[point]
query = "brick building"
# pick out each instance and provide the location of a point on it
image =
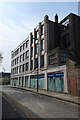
(73, 70)
(47, 48)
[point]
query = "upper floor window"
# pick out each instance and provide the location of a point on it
(12, 55)
(36, 63)
(23, 67)
(36, 34)
(36, 48)
(66, 23)
(20, 58)
(20, 48)
(20, 68)
(27, 66)
(66, 41)
(42, 45)
(31, 51)
(27, 43)
(31, 67)
(42, 29)
(42, 61)
(23, 56)
(27, 54)
(53, 59)
(17, 60)
(24, 45)
(17, 51)
(31, 39)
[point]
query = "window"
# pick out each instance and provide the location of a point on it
(23, 67)
(53, 59)
(31, 65)
(66, 23)
(63, 60)
(11, 71)
(42, 45)
(36, 35)
(36, 63)
(26, 66)
(20, 48)
(27, 54)
(27, 43)
(17, 51)
(36, 48)
(17, 60)
(42, 61)
(66, 41)
(17, 70)
(31, 51)
(31, 39)
(42, 29)
(24, 45)
(23, 56)
(20, 68)
(20, 58)
(13, 62)
(12, 55)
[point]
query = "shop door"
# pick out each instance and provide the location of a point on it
(51, 84)
(41, 83)
(19, 81)
(33, 83)
(22, 81)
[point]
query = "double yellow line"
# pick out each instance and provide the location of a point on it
(28, 114)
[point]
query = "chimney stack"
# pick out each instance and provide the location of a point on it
(56, 18)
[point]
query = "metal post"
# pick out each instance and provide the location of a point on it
(37, 66)
(37, 75)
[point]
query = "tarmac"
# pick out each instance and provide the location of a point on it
(57, 95)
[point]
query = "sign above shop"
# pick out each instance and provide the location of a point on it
(56, 75)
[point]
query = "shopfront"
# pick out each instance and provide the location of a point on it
(26, 81)
(56, 82)
(15, 81)
(22, 81)
(41, 81)
(19, 81)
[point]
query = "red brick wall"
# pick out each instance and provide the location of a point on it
(72, 85)
(73, 78)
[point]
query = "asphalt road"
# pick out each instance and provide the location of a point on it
(39, 106)
(9, 110)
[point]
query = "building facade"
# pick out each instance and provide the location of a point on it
(46, 48)
(4, 78)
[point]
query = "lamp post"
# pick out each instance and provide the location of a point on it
(37, 66)
(37, 74)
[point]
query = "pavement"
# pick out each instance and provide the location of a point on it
(61, 96)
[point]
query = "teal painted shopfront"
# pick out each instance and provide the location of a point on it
(56, 82)
(26, 81)
(15, 81)
(22, 81)
(19, 81)
(41, 81)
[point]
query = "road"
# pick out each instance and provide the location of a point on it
(39, 106)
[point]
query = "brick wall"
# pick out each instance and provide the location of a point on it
(73, 78)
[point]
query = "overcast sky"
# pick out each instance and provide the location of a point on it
(18, 19)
